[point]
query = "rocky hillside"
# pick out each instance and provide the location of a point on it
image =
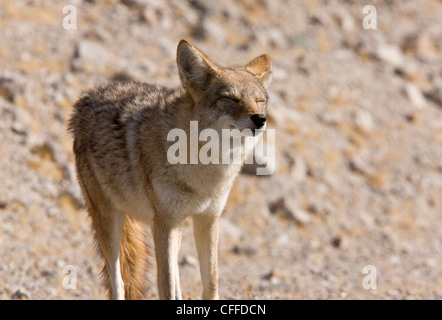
(357, 115)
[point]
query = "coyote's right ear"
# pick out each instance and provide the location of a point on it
(194, 67)
(261, 68)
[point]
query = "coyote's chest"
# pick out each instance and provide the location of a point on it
(195, 189)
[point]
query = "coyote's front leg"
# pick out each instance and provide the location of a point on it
(167, 240)
(205, 229)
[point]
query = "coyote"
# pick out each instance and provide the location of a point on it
(120, 145)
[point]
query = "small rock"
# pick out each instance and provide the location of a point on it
(189, 260)
(47, 273)
(159, 15)
(415, 95)
(299, 170)
(20, 129)
(130, 3)
(296, 213)
(346, 21)
(361, 165)
(394, 293)
(52, 292)
(421, 45)
(122, 76)
(321, 207)
(276, 206)
(301, 216)
(363, 121)
(21, 294)
(412, 117)
(8, 89)
(288, 208)
(436, 93)
(244, 250)
(45, 151)
(90, 56)
(273, 276)
(336, 241)
(390, 54)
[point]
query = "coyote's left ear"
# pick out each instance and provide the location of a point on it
(195, 69)
(261, 68)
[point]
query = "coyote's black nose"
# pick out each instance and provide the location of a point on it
(258, 120)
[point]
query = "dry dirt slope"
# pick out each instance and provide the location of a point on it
(358, 120)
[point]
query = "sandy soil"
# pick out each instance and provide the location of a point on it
(354, 208)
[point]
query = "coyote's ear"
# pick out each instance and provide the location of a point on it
(194, 67)
(261, 68)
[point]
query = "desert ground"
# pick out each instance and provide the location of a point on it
(354, 207)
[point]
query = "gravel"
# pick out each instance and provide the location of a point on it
(358, 149)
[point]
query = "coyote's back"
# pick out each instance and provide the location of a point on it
(119, 133)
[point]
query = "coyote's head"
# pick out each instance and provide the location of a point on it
(225, 98)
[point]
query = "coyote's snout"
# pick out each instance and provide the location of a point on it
(121, 147)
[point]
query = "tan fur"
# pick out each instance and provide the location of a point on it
(127, 181)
